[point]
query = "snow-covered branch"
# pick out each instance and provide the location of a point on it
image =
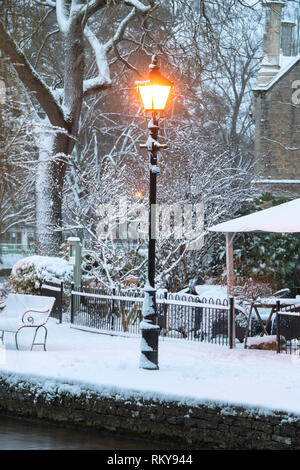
(62, 15)
(32, 81)
(103, 80)
(285, 147)
(138, 5)
(100, 50)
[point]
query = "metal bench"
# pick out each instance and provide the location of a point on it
(25, 311)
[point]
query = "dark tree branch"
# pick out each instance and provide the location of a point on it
(31, 79)
(43, 45)
(124, 61)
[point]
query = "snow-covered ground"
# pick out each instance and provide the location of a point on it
(190, 372)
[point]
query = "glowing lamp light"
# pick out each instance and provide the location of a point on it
(154, 97)
(137, 194)
(155, 91)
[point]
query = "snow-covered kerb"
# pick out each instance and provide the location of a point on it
(200, 425)
(82, 372)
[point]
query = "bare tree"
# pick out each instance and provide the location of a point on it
(62, 105)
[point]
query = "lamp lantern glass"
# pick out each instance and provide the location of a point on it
(155, 91)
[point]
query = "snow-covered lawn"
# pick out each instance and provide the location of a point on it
(190, 372)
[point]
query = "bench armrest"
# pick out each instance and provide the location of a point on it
(29, 320)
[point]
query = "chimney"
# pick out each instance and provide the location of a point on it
(287, 38)
(271, 43)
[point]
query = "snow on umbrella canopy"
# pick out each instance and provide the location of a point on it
(155, 91)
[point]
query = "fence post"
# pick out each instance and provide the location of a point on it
(61, 301)
(278, 326)
(165, 310)
(113, 309)
(231, 323)
(72, 302)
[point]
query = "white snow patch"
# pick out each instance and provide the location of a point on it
(190, 372)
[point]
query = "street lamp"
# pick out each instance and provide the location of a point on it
(154, 94)
(138, 194)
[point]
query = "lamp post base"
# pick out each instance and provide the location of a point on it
(149, 360)
(150, 332)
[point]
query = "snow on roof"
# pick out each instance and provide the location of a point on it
(286, 63)
(284, 218)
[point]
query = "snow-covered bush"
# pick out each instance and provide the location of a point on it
(28, 274)
(109, 264)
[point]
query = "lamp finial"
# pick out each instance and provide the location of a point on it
(154, 63)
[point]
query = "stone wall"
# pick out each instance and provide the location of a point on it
(189, 426)
(277, 126)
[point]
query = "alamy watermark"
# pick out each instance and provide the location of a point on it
(2, 92)
(296, 93)
(125, 221)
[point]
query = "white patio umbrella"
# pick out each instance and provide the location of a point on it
(284, 218)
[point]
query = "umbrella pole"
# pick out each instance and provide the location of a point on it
(229, 262)
(229, 267)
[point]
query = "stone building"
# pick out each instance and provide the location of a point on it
(276, 109)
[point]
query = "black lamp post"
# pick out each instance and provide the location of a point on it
(154, 93)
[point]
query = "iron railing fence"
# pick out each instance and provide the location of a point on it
(106, 309)
(16, 248)
(179, 316)
(54, 289)
(287, 324)
(193, 318)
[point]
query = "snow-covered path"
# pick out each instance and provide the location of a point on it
(190, 372)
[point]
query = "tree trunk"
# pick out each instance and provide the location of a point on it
(48, 189)
(73, 79)
(53, 146)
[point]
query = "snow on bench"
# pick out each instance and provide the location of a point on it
(25, 311)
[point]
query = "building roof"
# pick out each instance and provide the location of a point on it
(286, 64)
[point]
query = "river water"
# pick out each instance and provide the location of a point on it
(19, 434)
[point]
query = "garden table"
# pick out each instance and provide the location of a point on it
(269, 303)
